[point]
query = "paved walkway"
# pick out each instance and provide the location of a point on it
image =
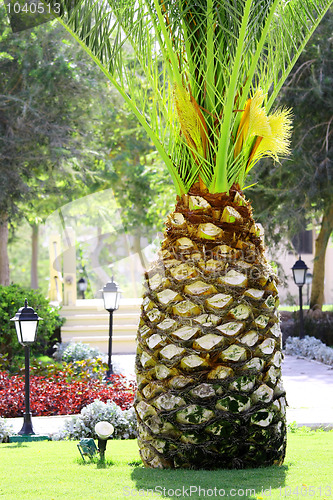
(309, 387)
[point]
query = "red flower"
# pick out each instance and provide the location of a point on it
(56, 396)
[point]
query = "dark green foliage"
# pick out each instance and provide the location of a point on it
(4, 362)
(289, 195)
(39, 116)
(11, 300)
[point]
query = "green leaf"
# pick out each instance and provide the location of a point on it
(221, 52)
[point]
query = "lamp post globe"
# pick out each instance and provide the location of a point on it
(111, 296)
(82, 285)
(26, 324)
(299, 270)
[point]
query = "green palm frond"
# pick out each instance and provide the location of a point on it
(215, 53)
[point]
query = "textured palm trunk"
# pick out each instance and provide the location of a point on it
(209, 344)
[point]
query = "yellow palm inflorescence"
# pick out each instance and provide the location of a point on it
(272, 132)
(192, 122)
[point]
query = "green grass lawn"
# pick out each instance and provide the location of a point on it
(284, 307)
(54, 470)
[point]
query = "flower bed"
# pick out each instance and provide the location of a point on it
(56, 396)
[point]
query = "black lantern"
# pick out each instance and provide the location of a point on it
(111, 296)
(299, 274)
(83, 285)
(26, 324)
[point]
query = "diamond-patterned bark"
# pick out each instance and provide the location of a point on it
(208, 357)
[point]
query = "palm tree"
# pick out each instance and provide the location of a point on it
(202, 77)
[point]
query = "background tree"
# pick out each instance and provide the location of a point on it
(72, 141)
(298, 193)
(139, 181)
(44, 125)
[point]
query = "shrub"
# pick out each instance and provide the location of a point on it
(316, 324)
(4, 363)
(309, 347)
(82, 426)
(85, 370)
(5, 430)
(56, 396)
(11, 300)
(78, 351)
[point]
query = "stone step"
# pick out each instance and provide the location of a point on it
(88, 322)
(95, 306)
(121, 344)
(102, 319)
(90, 329)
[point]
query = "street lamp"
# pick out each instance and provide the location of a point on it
(26, 324)
(299, 274)
(111, 296)
(83, 285)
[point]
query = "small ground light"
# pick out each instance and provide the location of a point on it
(87, 446)
(103, 430)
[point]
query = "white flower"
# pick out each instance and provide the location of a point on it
(310, 347)
(5, 430)
(83, 425)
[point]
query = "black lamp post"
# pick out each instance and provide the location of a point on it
(26, 324)
(299, 274)
(83, 285)
(111, 296)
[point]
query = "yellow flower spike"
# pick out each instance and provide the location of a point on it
(258, 122)
(254, 121)
(277, 142)
(192, 122)
(281, 126)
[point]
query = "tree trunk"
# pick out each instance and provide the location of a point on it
(137, 249)
(317, 291)
(208, 362)
(94, 257)
(34, 256)
(4, 261)
(132, 270)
